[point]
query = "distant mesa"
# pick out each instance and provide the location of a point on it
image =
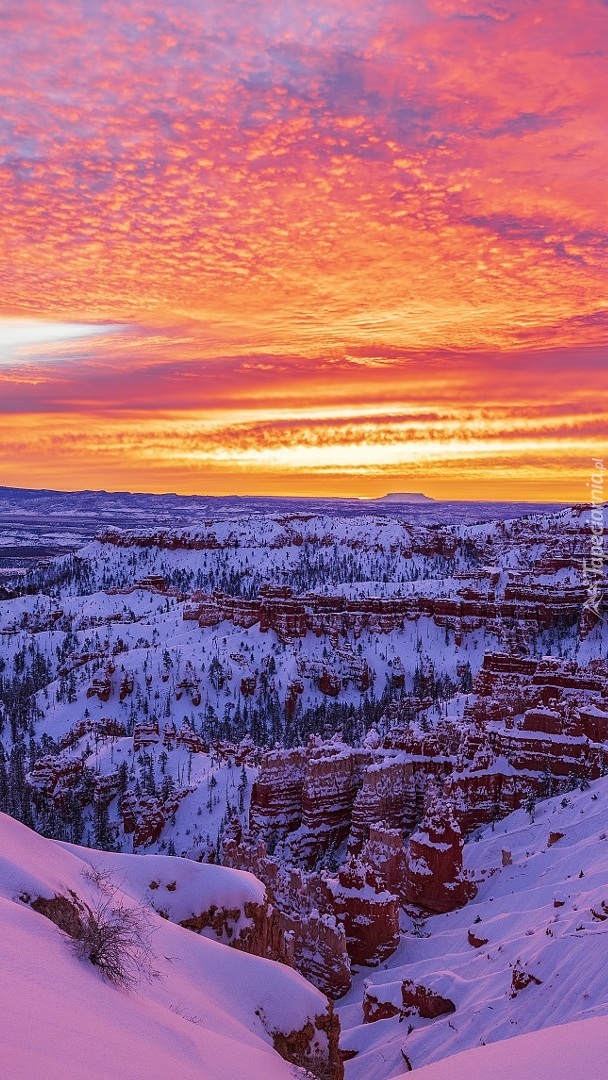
(404, 497)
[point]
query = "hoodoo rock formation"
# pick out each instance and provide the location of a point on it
(315, 940)
(473, 606)
(434, 877)
(370, 914)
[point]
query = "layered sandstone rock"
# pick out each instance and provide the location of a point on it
(57, 776)
(406, 998)
(435, 878)
(332, 778)
(310, 790)
(532, 725)
(104, 728)
(474, 605)
(375, 1008)
(303, 1047)
(254, 928)
(145, 733)
(303, 912)
(101, 687)
(390, 794)
(145, 816)
(384, 852)
(276, 797)
(370, 914)
(425, 1002)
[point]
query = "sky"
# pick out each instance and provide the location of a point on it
(316, 247)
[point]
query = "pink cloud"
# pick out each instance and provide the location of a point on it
(263, 191)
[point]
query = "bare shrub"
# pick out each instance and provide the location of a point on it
(111, 933)
(115, 936)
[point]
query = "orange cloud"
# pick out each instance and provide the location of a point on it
(346, 203)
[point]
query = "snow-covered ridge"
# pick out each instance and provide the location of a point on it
(207, 1012)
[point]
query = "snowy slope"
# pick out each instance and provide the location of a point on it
(577, 1051)
(208, 1014)
(543, 915)
(186, 887)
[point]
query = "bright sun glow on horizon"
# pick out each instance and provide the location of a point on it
(17, 334)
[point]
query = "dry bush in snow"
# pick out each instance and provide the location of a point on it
(115, 935)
